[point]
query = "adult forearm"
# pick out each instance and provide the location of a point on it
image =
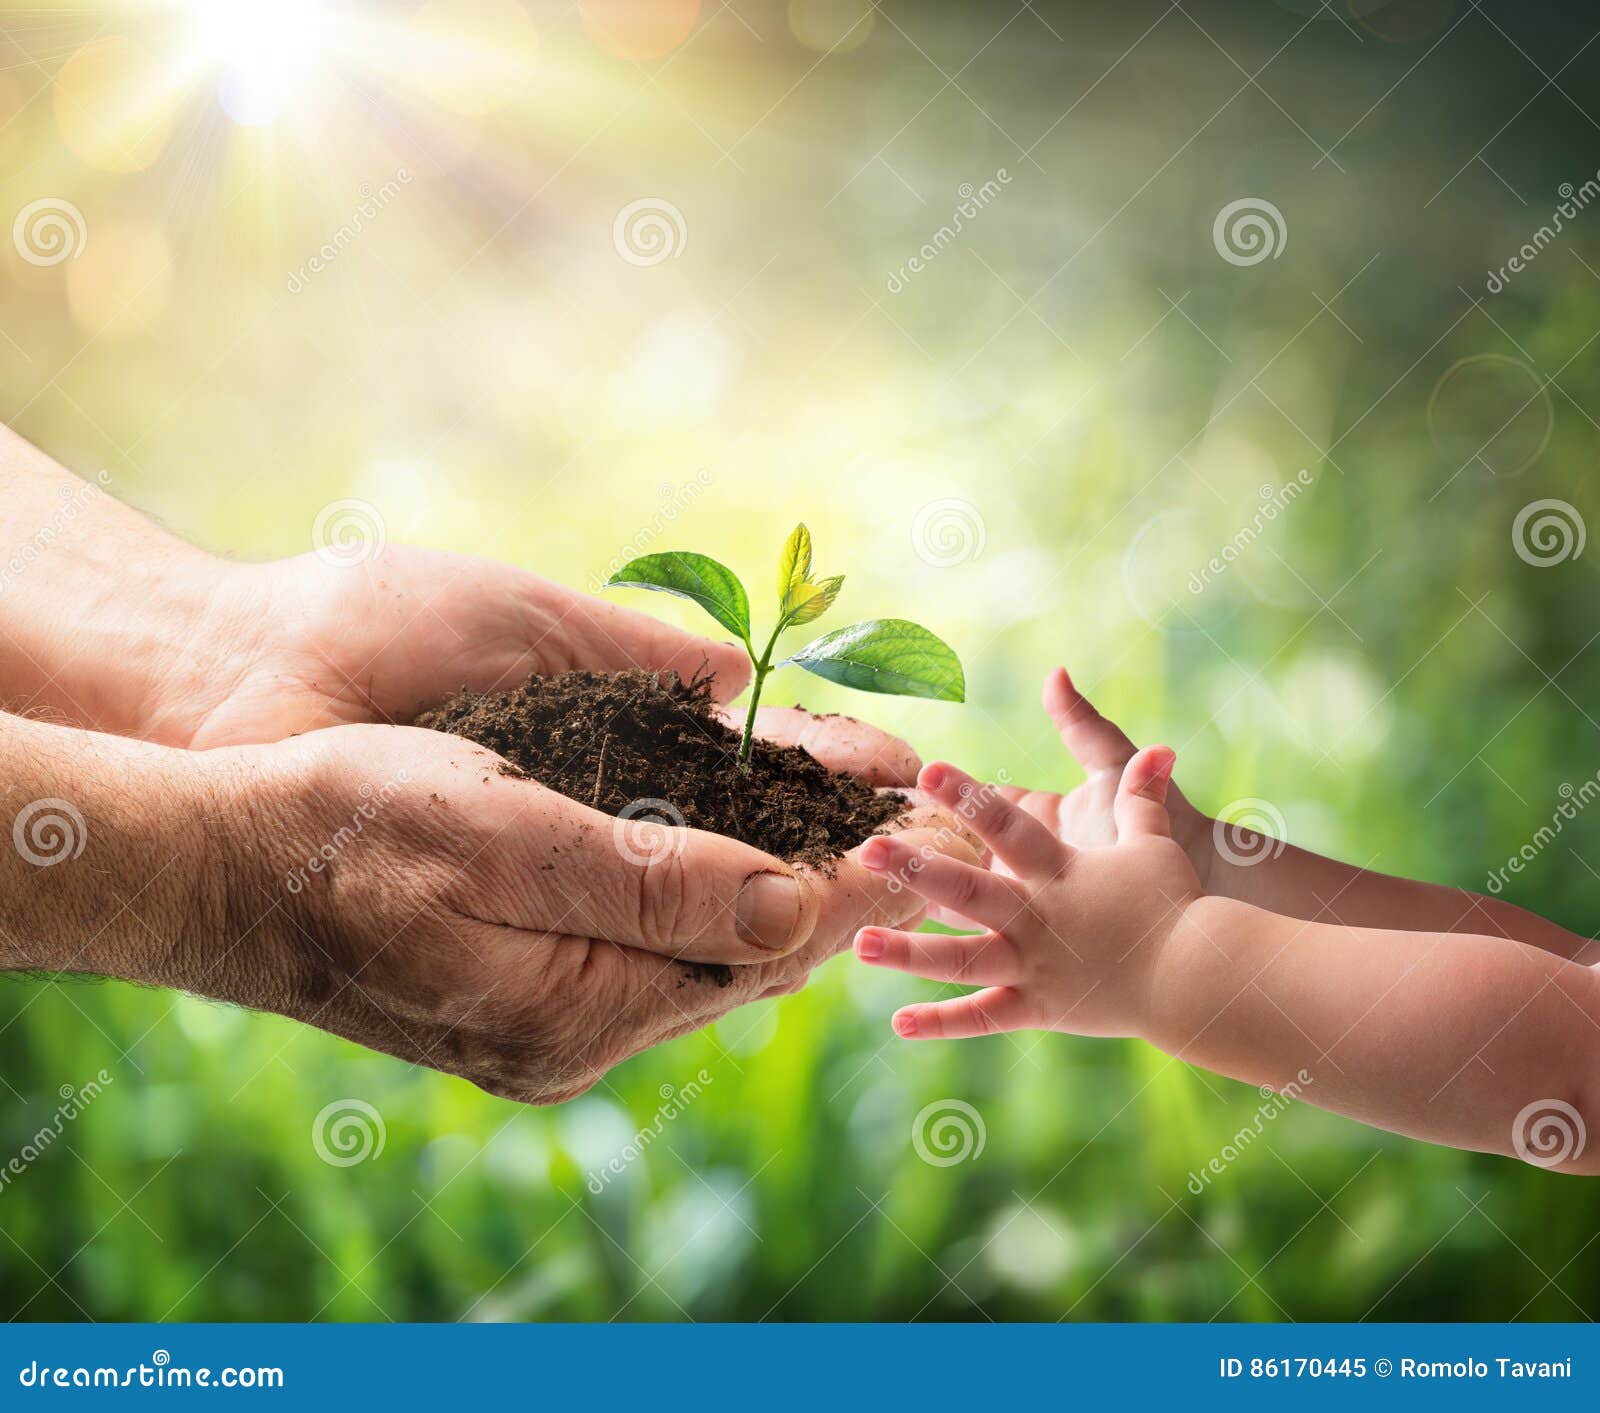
(1447, 1037)
(1280, 878)
(101, 610)
(104, 868)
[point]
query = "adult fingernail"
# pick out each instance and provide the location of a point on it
(767, 913)
(905, 1024)
(869, 946)
(933, 776)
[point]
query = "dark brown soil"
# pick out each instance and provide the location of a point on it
(626, 739)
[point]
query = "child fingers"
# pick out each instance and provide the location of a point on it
(988, 1012)
(1094, 742)
(850, 896)
(968, 890)
(1140, 807)
(1017, 839)
(984, 959)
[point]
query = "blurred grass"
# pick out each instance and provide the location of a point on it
(483, 367)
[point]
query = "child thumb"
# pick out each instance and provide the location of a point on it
(1140, 807)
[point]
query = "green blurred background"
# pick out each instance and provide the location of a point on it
(1030, 445)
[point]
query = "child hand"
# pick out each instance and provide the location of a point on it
(1074, 933)
(1083, 817)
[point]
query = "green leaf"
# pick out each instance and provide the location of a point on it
(713, 586)
(813, 601)
(887, 655)
(794, 566)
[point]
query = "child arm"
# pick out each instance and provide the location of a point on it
(1454, 1038)
(1238, 863)
(1468, 1040)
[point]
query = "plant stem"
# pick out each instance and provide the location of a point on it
(599, 771)
(763, 666)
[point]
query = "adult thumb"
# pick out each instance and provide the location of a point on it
(648, 882)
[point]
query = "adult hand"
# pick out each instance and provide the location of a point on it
(110, 622)
(307, 644)
(392, 885)
(412, 897)
(301, 643)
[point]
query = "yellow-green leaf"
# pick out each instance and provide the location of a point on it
(814, 600)
(794, 566)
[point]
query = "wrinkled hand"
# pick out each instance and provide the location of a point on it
(301, 644)
(398, 889)
(313, 644)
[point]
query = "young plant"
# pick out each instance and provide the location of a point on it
(881, 655)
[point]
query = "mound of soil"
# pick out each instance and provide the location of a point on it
(627, 743)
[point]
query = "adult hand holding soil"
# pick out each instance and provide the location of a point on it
(490, 896)
(110, 622)
(394, 886)
(318, 644)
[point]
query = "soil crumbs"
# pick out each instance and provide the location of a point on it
(627, 743)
